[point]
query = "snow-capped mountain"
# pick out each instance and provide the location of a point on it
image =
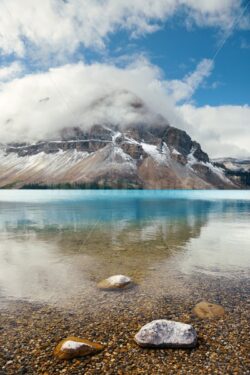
(238, 170)
(140, 155)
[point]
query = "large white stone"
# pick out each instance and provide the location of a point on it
(119, 280)
(115, 282)
(166, 334)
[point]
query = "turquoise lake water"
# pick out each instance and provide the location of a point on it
(54, 241)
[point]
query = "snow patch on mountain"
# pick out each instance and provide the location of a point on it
(55, 163)
(161, 156)
(191, 160)
(218, 171)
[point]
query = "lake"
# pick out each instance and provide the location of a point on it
(54, 241)
(179, 247)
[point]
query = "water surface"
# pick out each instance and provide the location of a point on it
(56, 245)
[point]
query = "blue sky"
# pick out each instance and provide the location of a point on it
(170, 45)
(177, 51)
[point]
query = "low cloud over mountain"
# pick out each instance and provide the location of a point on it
(38, 106)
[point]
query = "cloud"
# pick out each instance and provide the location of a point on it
(56, 27)
(39, 106)
(222, 130)
(78, 95)
(10, 72)
(184, 89)
(214, 13)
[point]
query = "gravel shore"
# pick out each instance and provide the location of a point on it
(29, 332)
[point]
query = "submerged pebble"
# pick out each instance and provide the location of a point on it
(208, 310)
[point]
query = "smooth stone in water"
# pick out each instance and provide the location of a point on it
(115, 282)
(166, 334)
(207, 310)
(73, 347)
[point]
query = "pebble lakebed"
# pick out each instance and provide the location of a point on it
(29, 332)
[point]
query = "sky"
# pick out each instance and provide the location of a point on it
(78, 62)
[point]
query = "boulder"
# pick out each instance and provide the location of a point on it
(114, 282)
(166, 334)
(208, 310)
(73, 347)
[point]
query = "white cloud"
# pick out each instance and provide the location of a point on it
(77, 94)
(222, 130)
(184, 89)
(38, 106)
(40, 28)
(223, 13)
(10, 71)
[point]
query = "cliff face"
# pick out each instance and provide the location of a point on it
(136, 156)
(238, 170)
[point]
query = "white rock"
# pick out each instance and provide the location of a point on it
(71, 345)
(166, 334)
(115, 282)
(119, 280)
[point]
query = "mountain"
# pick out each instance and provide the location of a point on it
(148, 154)
(238, 170)
(139, 156)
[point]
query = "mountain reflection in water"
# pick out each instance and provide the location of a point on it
(52, 249)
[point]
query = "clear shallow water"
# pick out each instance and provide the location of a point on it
(55, 245)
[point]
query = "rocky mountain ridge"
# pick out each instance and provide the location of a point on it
(141, 155)
(238, 170)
